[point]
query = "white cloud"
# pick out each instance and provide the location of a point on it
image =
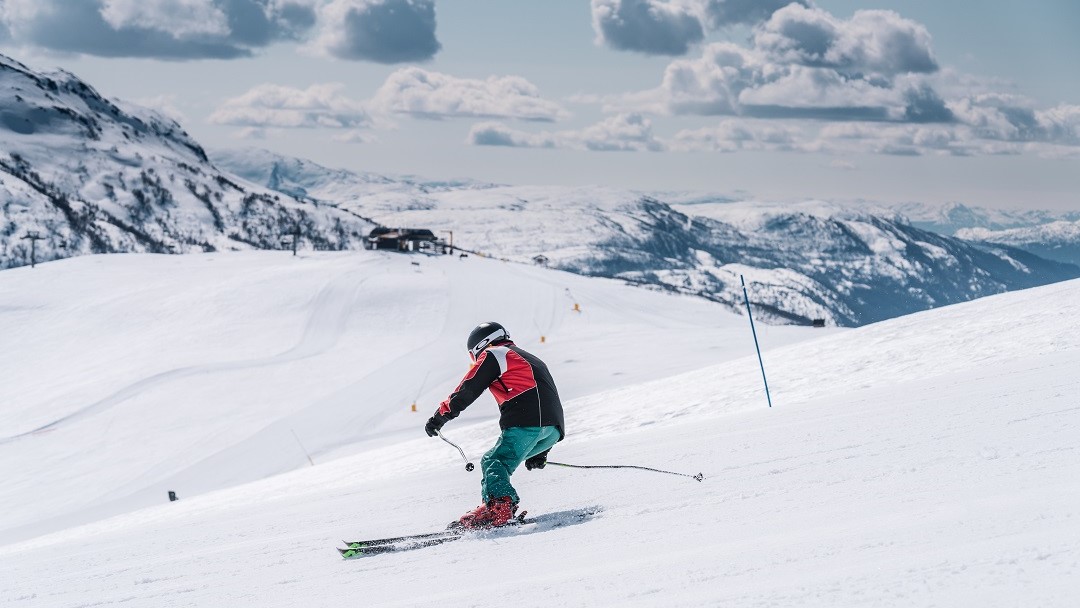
(624, 132)
(805, 87)
(252, 133)
(735, 135)
(909, 140)
(871, 42)
(179, 18)
(169, 29)
(671, 27)
(1061, 124)
(659, 27)
(383, 31)
(721, 13)
(355, 137)
(804, 63)
(498, 134)
(318, 106)
(165, 105)
(427, 94)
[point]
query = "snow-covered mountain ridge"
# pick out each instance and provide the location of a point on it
(1056, 240)
(953, 217)
(93, 175)
(808, 261)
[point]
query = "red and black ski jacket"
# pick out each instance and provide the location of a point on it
(520, 383)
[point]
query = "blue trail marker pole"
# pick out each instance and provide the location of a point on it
(754, 331)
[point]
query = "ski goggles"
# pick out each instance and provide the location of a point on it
(495, 336)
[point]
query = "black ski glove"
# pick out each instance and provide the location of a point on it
(537, 462)
(433, 425)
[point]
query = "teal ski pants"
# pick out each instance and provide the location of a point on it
(515, 446)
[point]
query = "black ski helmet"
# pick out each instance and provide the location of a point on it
(484, 336)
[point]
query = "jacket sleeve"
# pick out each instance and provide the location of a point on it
(485, 371)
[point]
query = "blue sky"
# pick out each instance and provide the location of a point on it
(902, 101)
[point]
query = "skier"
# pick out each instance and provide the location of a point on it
(531, 418)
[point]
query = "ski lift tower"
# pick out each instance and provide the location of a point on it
(33, 237)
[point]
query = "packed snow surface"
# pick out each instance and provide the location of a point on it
(926, 460)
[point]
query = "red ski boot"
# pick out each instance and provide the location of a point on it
(496, 513)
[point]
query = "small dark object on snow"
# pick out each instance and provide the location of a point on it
(469, 466)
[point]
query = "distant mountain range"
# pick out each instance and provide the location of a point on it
(954, 217)
(92, 175)
(815, 260)
(1056, 240)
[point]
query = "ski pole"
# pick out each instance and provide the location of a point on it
(698, 477)
(468, 465)
(754, 331)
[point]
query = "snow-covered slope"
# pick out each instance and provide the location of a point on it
(926, 460)
(92, 175)
(194, 373)
(815, 260)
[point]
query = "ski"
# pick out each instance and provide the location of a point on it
(356, 549)
(452, 532)
(400, 539)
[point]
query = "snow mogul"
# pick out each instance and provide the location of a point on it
(531, 418)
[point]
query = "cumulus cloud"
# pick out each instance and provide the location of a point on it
(734, 136)
(163, 104)
(319, 106)
(383, 31)
(427, 94)
(805, 63)
(1006, 129)
(624, 132)
(648, 26)
(721, 13)
(731, 80)
(251, 133)
(671, 27)
(1053, 133)
(1010, 118)
(166, 29)
(897, 140)
(180, 18)
(871, 42)
(355, 137)
(498, 134)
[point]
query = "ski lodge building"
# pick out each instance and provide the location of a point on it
(403, 239)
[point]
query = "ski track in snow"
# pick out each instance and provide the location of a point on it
(330, 311)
